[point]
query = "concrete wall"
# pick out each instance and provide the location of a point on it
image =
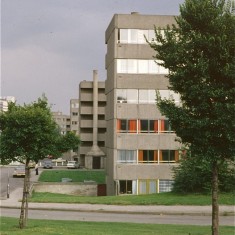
(142, 171)
(79, 189)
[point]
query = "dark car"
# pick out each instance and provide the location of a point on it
(47, 163)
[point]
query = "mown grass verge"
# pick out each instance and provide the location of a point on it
(152, 199)
(76, 175)
(39, 227)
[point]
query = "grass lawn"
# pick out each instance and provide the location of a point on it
(38, 227)
(99, 177)
(75, 175)
(152, 199)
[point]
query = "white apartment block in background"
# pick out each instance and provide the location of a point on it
(4, 101)
(63, 121)
(140, 145)
(74, 110)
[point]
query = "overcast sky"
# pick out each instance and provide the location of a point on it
(49, 46)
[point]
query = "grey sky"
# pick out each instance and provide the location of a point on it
(49, 46)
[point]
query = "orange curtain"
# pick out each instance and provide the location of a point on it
(155, 155)
(155, 125)
(162, 125)
(132, 126)
(160, 156)
(139, 126)
(118, 125)
(140, 156)
(176, 155)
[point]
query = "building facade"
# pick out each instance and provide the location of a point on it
(63, 121)
(4, 101)
(140, 145)
(86, 124)
(74, 110)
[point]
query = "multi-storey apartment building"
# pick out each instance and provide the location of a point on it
(140, 145)
(74, 110)
(92, 135)
(4, 101)
(63, 121)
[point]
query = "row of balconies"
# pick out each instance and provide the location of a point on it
(89, 123)
(88, 136)
(89, 110)
(89, 97)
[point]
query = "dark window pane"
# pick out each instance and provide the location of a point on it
(167, 125)
(144, 125)
(151, 125)
(168, 155)
(123, 125)
(145, 155)
(151, 156)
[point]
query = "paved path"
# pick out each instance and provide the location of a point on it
(16, 195)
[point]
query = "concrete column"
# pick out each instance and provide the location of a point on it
(95, 107)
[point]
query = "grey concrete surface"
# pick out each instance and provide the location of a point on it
(16, 195)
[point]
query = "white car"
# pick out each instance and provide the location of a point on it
(72, 165)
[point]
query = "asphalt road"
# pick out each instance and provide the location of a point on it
(118, 217)
(6, 177)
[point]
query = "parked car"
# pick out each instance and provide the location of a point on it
(19, 171)
(72, 165)
(32, 164)
(47, 163)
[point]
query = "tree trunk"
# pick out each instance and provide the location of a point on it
(215, 204)
(24, 205)
(22, 209)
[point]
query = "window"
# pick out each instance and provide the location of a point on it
(126, 156)
(126, 126)
(169, 156)
(133, 35)
(144, 96)
(123, 35)
(143, 66)
(147, 186)
(147, 96)
(122, 66)
(147, 156)
(121, 96)
(165, 126)
(168, 94)
(74, 105)
(165, 185)
(132, 66)
(125, 186)
(74, 114)
(144, 126)
(140, 35)
(136, 36)
(135, 66)
(151, 35)
(132, 96)
(127, 96)
(153, 67)
(148, 126)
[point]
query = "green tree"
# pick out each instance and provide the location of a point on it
(70, 141)
(193, 175)
(29, 132)
(199, 52)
